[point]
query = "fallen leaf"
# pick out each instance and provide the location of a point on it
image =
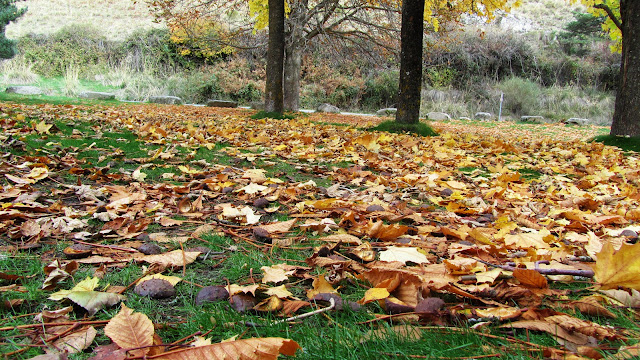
(130, 329)
(620, 268)
(403, 255)
(246, 349)
(276, 273)
(174, 258)
(77, 341)
(374, 294)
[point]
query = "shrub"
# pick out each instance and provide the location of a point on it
(380, 90)
(521, 96)
(80, 46)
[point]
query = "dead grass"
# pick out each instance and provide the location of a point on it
(116, 19)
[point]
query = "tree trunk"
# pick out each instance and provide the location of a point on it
(275, 58)
(292, 68)
(410, 62)
(294, 46)
(626, 117)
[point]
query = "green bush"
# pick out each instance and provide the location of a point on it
(72, 46)
(150, 51)
(521, 96)
(381, 90)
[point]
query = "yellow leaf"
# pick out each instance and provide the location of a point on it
(174, 280)
(280, 291)
(618, 268)
(320, 286)
(43, 128)
(374, 294)
(129, 329)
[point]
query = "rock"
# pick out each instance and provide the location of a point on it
(465, 118)
(171, 100)
(222, 103)
(534, 119)
(150, 249)
(328, 108)
(96, 95)
(438, 116)
(77, 251)
(387, 112)
(243, 302)
(262, 235)
(483, 116)
(24, 90)
(155, 289)
(261, 203)
(372, 208)
(578, 121)
(396, 308)
(211, 294)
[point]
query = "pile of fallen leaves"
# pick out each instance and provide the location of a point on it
(403, 218)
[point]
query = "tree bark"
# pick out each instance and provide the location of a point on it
(292, 68)
(274, 99)
(626, 116)
(410, 62)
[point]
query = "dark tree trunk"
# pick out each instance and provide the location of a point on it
(410, 62)
(275, 58)
(626, 117)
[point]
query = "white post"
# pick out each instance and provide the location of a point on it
(500, 112)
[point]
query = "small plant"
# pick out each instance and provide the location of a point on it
(272, 115)
(421, 129)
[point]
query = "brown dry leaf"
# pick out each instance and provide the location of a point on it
(620, 268)
(590, 305)
(553, 329)
(246, 349)
(502, 313)
(57, 272)
(530, 278)
(588, 328)
(626, 298)
(344, 238)
(129, 329)
(628, 352)
(292, 306)
(77, 341)
(173, 258)
(279, 227)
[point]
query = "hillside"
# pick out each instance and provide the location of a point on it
(119, 18)
(115, 18)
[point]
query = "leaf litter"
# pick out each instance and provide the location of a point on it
(464, 231)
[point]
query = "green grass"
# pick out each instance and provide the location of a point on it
(53, 99)
(272, 115)
(420, 129)
(624, 143)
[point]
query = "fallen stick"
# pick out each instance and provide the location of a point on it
(571, 272)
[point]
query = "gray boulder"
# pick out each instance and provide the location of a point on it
(534, 119)
(483, 116)
(578, 121)
(24, 90)
(222, 103)
(256, 105)
(387, 112)
(328, 108)
(171, 100)
(438, 116)
(96, 95)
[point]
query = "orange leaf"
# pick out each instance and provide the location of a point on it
(246, 349)
(530, 278)
(131, 330)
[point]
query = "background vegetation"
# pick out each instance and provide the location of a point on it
(558, 69)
